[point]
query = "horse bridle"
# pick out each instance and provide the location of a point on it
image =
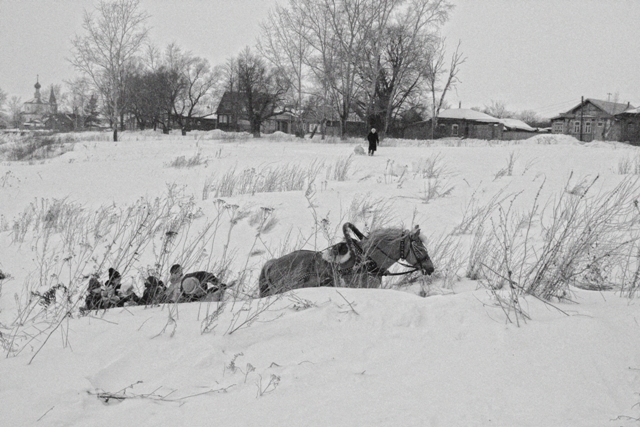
(412, 250)
(370, 265)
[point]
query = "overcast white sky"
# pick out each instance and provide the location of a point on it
(531, 54)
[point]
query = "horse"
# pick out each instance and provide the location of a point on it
(305, 269)
(383, 248)
(358, 262)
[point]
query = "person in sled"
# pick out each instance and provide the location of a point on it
(93, 300)
(154, 291)
(114, 296)
(197, 286)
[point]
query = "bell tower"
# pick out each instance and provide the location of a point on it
(36, 95)
(53, 104)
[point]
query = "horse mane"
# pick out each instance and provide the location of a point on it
(382, 236)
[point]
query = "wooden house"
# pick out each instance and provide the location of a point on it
(458, 123)
(514, 129)
(629, 124)
(232, 115)
(592, 119)
(61, 122)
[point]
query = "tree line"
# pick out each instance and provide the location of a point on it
(327, 62)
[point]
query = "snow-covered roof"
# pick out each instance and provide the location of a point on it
(467, 114)
(631, 111)
(515, 124)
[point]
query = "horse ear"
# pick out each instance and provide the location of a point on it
(416, 231)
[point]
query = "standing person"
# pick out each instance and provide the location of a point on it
(193, 286)
(373, 141)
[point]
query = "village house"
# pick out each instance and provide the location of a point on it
(232, 115)
(629, 124)
(592, 119)
(457, 123)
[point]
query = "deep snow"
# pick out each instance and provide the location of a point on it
(320, 357)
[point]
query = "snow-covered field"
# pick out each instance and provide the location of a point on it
(430, 352)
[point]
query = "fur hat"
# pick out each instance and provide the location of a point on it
(174, 268)
(114, 274)
(153, 281)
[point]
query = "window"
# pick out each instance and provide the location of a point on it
(223, 118)
(558, 127)
(454, 130)
(587, 126)
(600, 124)
(576, 126)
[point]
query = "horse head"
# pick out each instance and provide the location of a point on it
(416, 253)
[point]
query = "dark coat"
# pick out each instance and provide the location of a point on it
(154, 291)
(93, 300)
(373, 141)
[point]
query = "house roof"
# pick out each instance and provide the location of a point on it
(36, 101)
(59, 117)
(229, 103)
(515, 124)
(611, 108)
(467, 114)
(631, 111)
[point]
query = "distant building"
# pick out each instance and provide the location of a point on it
(629, 123)
(207, 122)
(458, 123)
(35, 111)
(592, 119)
(514, 129)
(232, 115)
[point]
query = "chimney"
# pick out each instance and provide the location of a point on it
(459, 104)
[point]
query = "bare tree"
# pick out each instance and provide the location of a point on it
(498, 109)
(283, 44)
(4, 121)
(333, 31)
(322, 60)
(199, 81)
(230, 85)
(440, 79)
(112, 38)
(14, 107)
(79, 94)
(363, 56)
(532, 118)
(149, 96)
(3, 98)
(407, 37)
(262, 89)
(374, 21)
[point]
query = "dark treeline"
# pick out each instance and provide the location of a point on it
(381, 63)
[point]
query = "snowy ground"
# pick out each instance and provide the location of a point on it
(316, 357)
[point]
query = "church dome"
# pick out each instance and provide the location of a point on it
(37, 85)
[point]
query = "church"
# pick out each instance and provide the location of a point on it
(35, 111)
